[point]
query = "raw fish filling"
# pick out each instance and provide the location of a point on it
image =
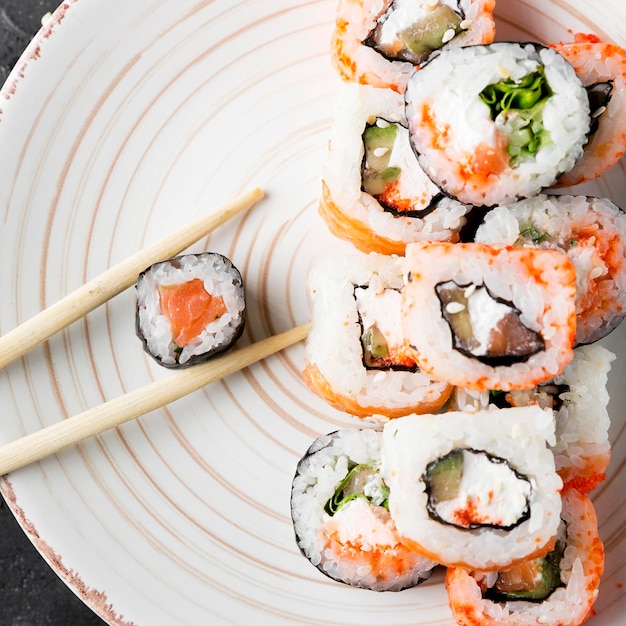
(390, 172)
(485, 327)
(472, 489)
(190, 309)
(382, 339)
(410, 30)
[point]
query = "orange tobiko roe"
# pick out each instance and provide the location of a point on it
(189, 307)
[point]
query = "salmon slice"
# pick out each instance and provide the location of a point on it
(189, 307)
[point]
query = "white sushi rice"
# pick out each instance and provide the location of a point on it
(520, 436)
(449, 86)
(582, 423)
(219, 280)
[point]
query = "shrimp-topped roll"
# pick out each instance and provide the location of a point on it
(602, 70)
(190, 308)
(341, 519)
(374, 192)
(494, 123)
(356, 355)
(489, 317)
(556, 589)
(475, 490)
(381, 42)
(579, 400)
(591, 231)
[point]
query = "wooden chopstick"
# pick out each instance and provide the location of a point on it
(77, 304)
(72, 430)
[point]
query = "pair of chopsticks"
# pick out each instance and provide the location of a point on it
(68, 432)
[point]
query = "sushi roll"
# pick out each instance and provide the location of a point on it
(380, 42)
(591, 231)
(189, 308)
(489, 317)
(474, 490)
(356, 357)
(340, 516)
(494, 123)
(374, 192)
(579, 400)
(602, 69)
(555, 590)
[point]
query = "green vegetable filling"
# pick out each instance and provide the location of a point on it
(533, 580)
(377, 174)
(443, 477)
(360, 479)
(519, 106)
(531, 234)
(375, 347)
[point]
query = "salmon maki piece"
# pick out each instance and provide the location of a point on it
(189, 308)
(558, 589)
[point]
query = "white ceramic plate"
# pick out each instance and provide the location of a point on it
(122, 121)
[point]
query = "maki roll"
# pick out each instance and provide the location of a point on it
(356, 355)
(489, 317)
(340, 516)
(380, 42)
(474, 490)
(602, 69)
(374, 192)
(189, 308)
(494, 123)
(592, 232)
(557, 589)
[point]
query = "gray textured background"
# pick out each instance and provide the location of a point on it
(31, 594)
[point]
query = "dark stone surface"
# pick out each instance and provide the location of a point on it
(31, 594)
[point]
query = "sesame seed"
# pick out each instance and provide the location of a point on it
(455, 307)
(380, 151)
(469, 290)
(465, 24)
(448, 35)
(596, 272)
(598, 112)
(382, 123)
